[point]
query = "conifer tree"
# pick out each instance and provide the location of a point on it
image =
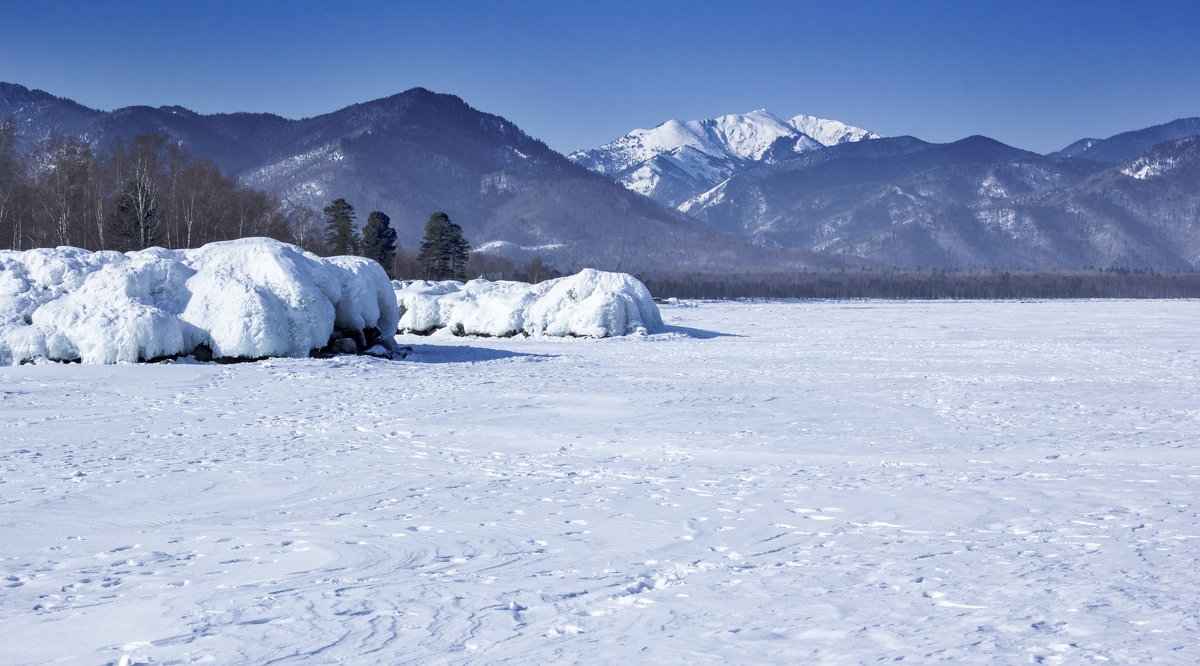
(379, 240)
(444, 250)
(339, 225)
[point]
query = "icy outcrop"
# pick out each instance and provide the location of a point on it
(592, 303)
(248, 298)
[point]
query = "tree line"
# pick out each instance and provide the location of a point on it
(926, 284)
(443, 255)
(136, 194)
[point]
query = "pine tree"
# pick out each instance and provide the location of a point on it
(460, 252)
(379, 240)
(444, 250)
(339, 225)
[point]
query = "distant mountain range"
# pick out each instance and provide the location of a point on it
(415, 153)
(1127, 201)
(739, 192)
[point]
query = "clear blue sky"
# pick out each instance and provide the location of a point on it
(1034, 74)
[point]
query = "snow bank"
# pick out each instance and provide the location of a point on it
(248, 298)
(591, 304)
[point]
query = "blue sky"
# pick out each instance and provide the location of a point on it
(1036, 75)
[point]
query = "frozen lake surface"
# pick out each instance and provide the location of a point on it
(779, 482)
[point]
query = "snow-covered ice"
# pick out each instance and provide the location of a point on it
(250, 298)
(754, 483)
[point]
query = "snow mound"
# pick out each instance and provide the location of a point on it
(593, 304)
(248, 298)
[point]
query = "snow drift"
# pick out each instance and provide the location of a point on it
(248, 298)
(592, 304)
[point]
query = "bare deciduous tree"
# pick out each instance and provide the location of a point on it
(61, 183)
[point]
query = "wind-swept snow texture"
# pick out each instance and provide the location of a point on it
(248, 298)
(593, 304)
(771, 483)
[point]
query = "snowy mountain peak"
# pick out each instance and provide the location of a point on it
(752, 135)
(830, 132)
(741, 136)
(682, 158)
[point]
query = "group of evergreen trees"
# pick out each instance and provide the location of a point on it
(376, 241)
(443, 255)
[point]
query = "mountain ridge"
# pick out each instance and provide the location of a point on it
(1130, 144)
(973, 203)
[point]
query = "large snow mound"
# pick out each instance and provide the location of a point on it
(592, 303)
(248, 298)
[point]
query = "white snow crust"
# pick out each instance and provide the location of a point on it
(248, 298)
(594, 304)
(756, 483)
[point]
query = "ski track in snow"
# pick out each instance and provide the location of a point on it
(779, 482)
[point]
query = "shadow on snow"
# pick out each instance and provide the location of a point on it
(697, 333)
(463, 354)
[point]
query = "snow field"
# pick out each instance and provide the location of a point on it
(756, 483)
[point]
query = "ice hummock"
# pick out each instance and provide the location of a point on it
(247, 298)
(592, 304)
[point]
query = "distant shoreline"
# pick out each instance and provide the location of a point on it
(931, 284)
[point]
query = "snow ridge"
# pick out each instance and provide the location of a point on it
(830, 132)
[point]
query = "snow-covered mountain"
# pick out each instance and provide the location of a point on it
(679, 159)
